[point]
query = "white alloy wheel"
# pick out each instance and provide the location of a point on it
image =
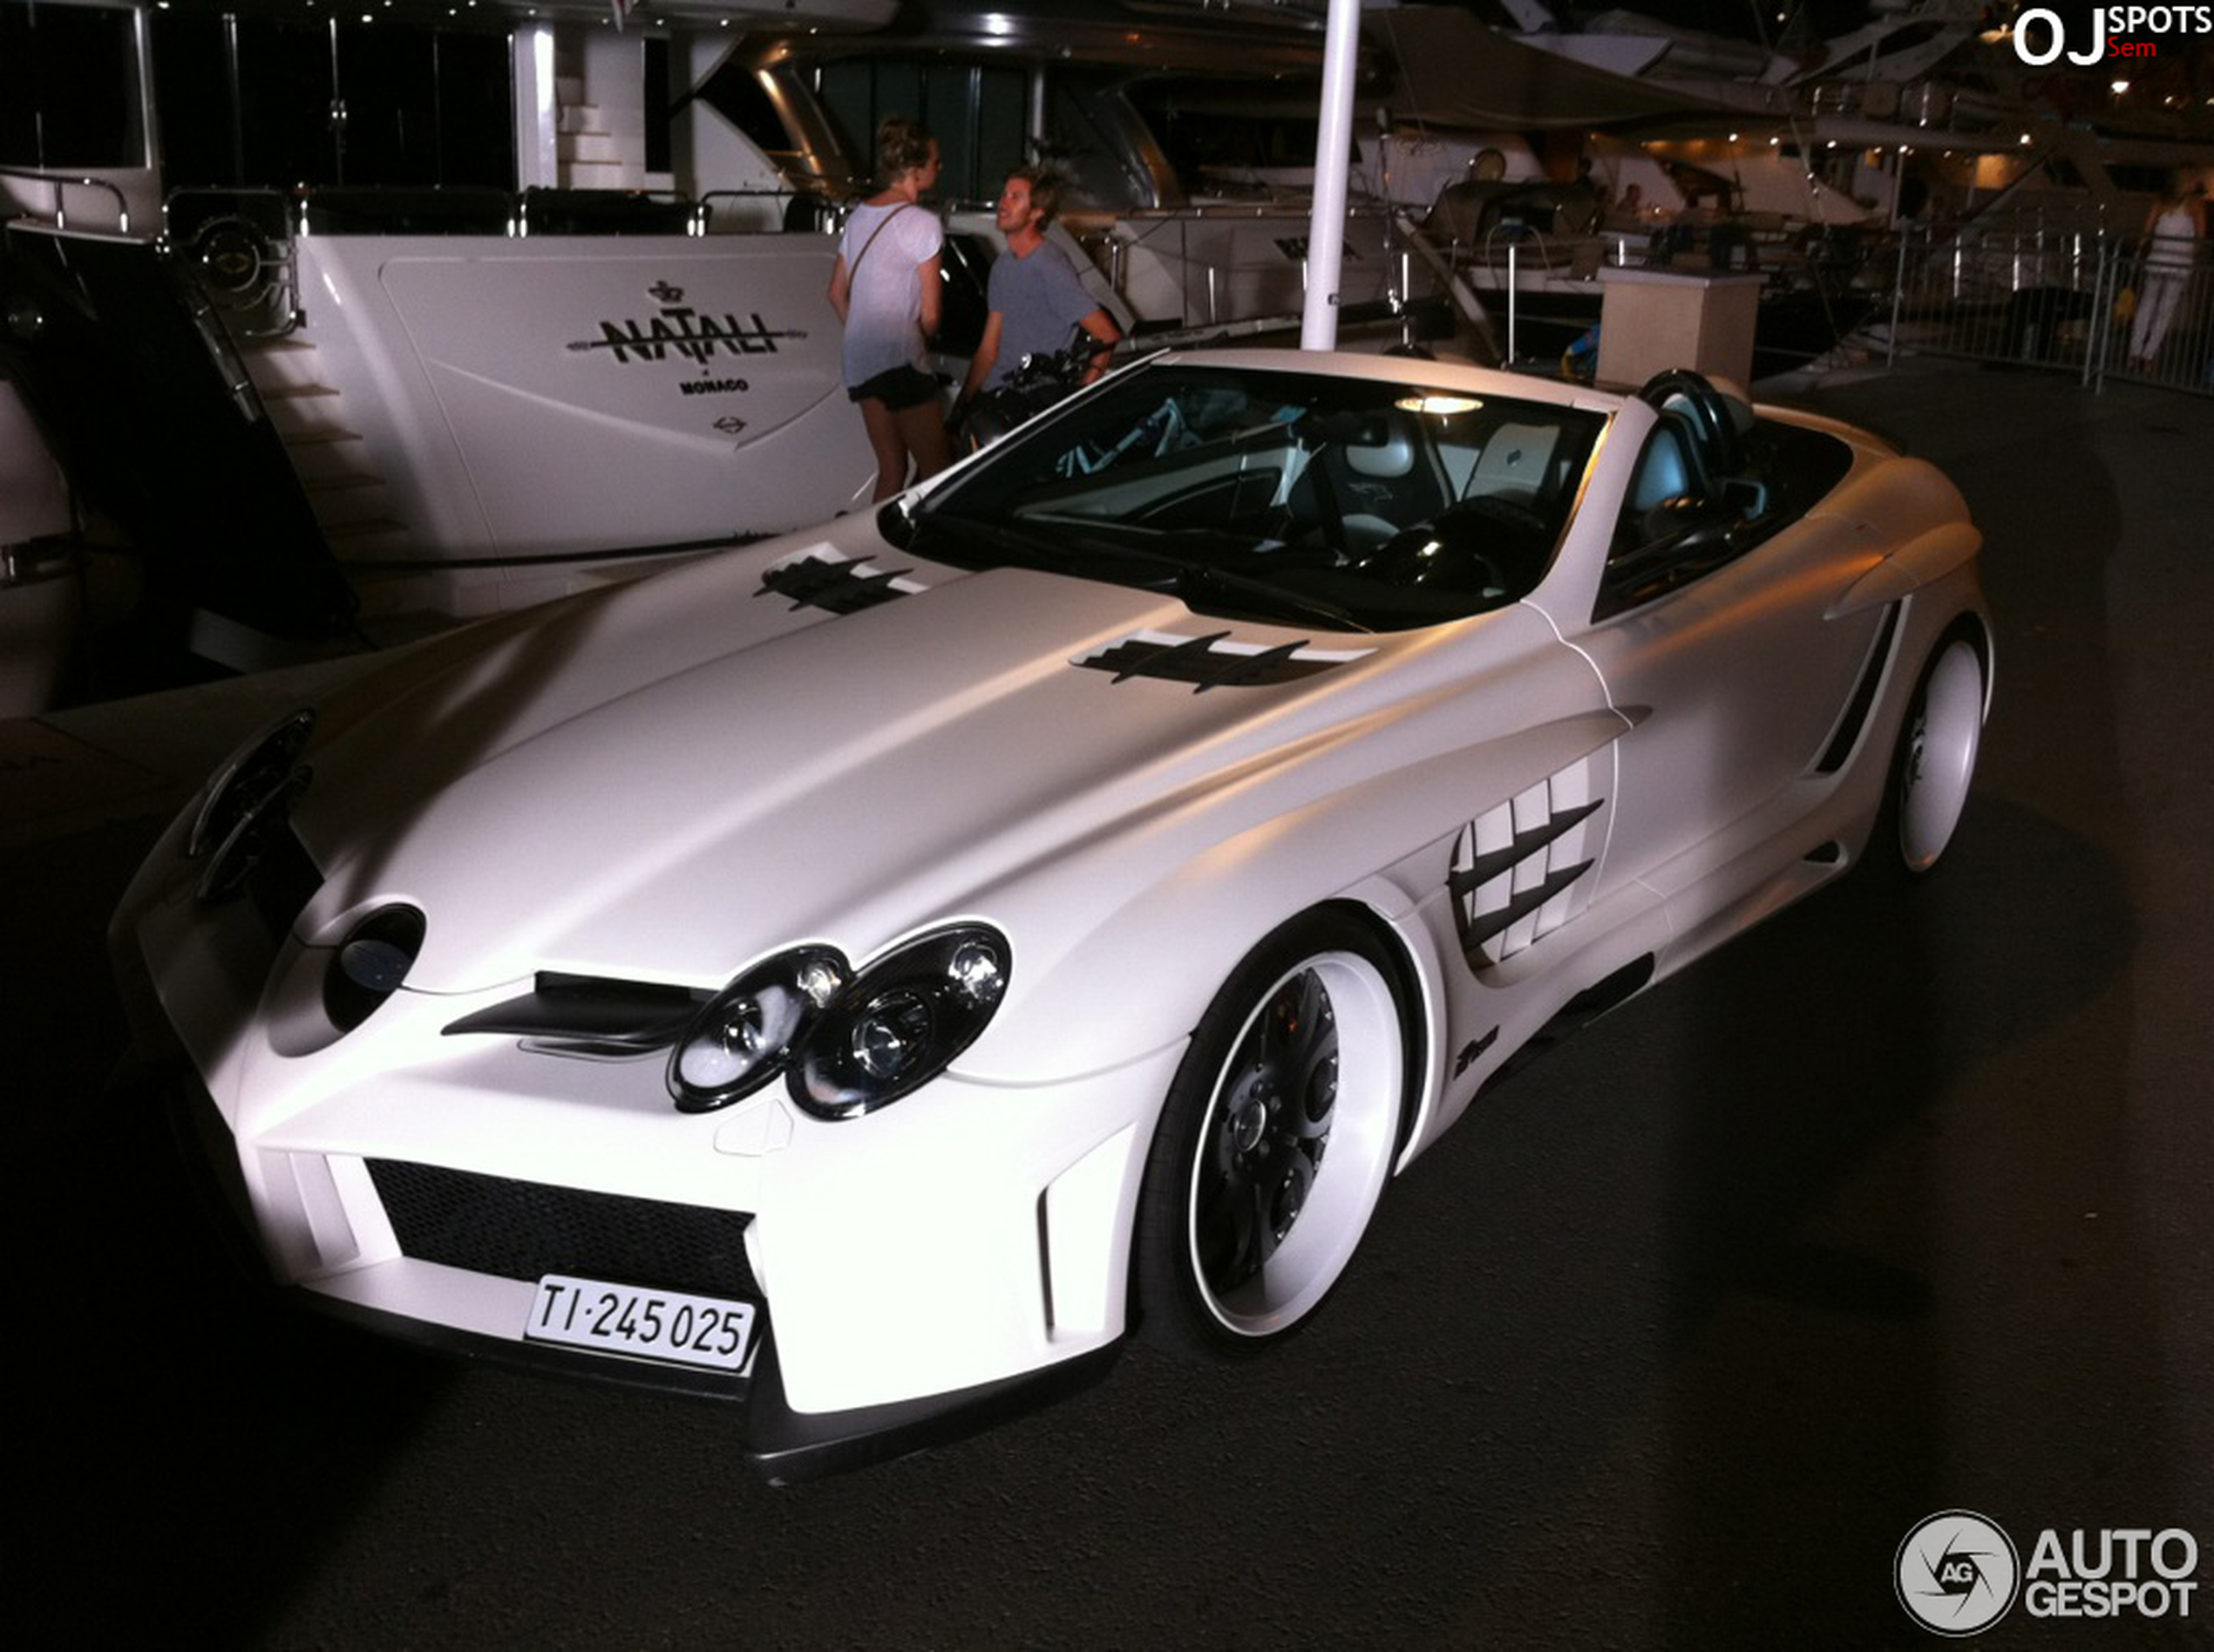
(1937, 754)
(1276, 1141)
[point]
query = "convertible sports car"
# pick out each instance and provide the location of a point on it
(871, 974)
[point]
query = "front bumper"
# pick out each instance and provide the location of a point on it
(784, 1445)
(479, 1311)
(935, 1259)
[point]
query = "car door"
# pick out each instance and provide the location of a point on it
(1712, 631)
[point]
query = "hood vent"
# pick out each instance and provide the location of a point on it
(1214, 661)
(842, 588)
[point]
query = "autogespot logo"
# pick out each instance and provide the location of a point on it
(2042, 35)
(1957, 1573)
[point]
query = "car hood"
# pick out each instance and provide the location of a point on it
(675, 777)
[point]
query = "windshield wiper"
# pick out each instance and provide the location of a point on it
(1205, 579)
(1088, 556)
(1024, 547)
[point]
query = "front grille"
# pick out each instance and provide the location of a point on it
(524, 1230)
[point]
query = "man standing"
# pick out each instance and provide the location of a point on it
(1037, 300)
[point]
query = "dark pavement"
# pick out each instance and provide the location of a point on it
(1904, 1203)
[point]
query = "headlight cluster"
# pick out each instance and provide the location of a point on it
(844, 1043)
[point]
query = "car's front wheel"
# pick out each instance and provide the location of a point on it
(1935, 763)
(1276, 1139)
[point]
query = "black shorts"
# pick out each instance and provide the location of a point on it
(898, 388)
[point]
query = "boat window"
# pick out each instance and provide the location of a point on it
(1376, 504)
(248, 101)
(975, 110)
(1229, 141)
(736, 92)
(69, 88)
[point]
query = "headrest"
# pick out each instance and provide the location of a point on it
(1390, 453)
(1516, 457)
(1664, 471)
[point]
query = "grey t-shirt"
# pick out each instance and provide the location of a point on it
(1040, 301)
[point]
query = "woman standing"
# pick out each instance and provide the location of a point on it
(884, 288)
(2172, 229)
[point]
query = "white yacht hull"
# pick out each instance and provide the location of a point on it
(481, 422)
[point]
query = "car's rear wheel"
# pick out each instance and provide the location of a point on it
(1935, 764)
(1276, 1139)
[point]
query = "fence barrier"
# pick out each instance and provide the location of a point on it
(2092, 303)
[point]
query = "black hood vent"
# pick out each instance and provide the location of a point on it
(843, 588)
(1205, 663)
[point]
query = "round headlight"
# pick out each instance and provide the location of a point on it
(892, 1033)
(902, 1023)
(746, 1033)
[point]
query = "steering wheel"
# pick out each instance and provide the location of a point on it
(1417, 557)
(1713, 425)
(1449, 553)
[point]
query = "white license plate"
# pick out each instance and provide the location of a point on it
(647, 1324)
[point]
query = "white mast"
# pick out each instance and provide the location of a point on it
(1332, 151)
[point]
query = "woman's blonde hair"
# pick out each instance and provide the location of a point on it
(902, 145)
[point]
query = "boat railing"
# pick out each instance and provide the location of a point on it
(772, 209)
(239, 245)
(1215, 286)
(384, 209)
(61, 183)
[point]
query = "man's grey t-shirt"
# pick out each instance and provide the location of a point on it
(1040, 301)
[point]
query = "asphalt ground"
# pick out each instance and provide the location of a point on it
(1899, 1205)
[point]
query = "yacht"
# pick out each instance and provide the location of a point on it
(336, 313)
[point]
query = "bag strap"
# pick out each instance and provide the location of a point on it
(874, 233)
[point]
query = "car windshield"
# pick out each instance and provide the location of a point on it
(1362, 504)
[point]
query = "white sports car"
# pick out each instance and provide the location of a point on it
(869, 974)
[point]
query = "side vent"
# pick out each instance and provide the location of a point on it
(1518, 870)
(1847, 735)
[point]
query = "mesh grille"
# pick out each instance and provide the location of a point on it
(523, 1230)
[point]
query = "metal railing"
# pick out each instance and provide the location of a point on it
(61, 183)
(2072, 301)
(1215, 291)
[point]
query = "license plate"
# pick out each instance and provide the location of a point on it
(647, 1324)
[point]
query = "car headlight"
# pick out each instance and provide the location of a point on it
(253, 774)
(846, 1045)
(902, 1023)
(746, 1034)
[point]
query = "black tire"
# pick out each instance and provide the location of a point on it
(1245, 1225)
